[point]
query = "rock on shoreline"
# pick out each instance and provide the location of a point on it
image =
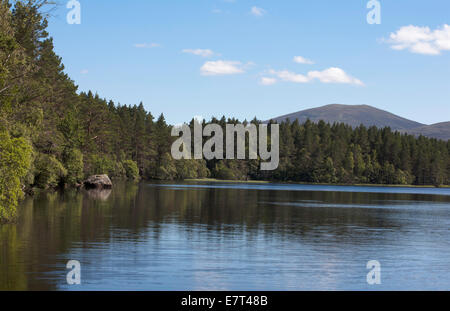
(98, 182)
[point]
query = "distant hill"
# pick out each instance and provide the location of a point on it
(438, 130)
(354, 116)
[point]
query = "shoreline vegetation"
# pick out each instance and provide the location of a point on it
(54, 136)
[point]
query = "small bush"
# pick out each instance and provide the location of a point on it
(224, 173)
(119, 170)
(131, 169)
(49, 172)
(73, 161)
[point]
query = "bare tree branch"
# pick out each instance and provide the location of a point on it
(5, 88)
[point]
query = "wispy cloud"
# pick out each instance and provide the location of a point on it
(221, 67)
(147, 45)
(199, 52)
(267, 81)
(421, 40)
(330, 75)
(290, 76)
(257, 11)
(302, 60)
(84, 72)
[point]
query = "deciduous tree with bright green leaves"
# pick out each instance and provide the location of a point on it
(15, 160)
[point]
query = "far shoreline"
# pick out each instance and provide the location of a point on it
(214, 180)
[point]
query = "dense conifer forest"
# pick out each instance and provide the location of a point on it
(52, 136)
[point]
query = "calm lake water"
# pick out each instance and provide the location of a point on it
(230, 237)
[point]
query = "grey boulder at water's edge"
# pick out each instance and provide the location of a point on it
(98, 182)
(368, 116)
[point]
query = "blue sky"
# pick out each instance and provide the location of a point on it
(236, 58)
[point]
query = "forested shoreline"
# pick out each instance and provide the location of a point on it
(52, 136)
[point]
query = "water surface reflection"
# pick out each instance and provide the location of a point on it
(229, 236)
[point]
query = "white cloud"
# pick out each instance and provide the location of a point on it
(333, 75)
(147, 45)
(221, 67)
(302, 60)
(199, 52)
(267, 81)
(421, 40)
(290, 76)
(330, 75)
(84, 72)
(257, 11)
